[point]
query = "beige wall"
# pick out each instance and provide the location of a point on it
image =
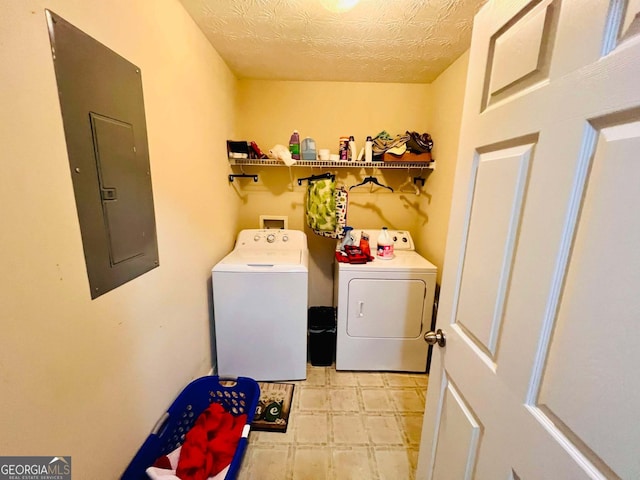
(268, 112)
(446, 115)
(89, 378)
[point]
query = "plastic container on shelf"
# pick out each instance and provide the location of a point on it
(353, 154)
(308, 149)
(324, 154)
(343, 148)
(368, 150)
(384, 249)
(294, 145)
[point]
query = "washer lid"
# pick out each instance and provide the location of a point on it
(247, 260)
(401, 261)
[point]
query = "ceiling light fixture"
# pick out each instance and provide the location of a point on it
(339, 6)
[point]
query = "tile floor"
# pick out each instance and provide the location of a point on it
(344, 426)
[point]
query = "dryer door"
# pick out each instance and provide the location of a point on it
(385, 308)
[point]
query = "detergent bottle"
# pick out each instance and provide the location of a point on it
(364, 244)
(294, 145)
(348, 238)
(385, 245)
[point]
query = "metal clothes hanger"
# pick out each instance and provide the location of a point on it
(371, 180)
(317, 177)
(242, 175)
(409, 186)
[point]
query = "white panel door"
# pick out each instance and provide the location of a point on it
(540, 303)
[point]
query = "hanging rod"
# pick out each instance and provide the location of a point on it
(316, 177)
(242, 175)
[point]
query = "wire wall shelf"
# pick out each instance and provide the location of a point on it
(331, 164)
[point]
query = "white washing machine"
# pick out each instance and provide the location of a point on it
(384, 308)
(260, 301)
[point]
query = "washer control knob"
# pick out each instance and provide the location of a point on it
(271, 238)
(285, 238)
(405, 239)
(256, 238)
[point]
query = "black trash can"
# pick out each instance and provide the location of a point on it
(322, 335)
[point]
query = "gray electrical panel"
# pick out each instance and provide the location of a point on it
(105, 129)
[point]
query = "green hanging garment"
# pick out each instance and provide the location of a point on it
(321, 205)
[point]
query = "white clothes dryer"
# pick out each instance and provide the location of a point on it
(384, 308)
(260, 302)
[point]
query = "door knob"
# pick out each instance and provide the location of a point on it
(438, 337)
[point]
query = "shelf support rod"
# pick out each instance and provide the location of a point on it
(291, 178)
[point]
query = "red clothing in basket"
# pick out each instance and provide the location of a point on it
(210, 444)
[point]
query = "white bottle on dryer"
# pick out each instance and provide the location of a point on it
(384, 249)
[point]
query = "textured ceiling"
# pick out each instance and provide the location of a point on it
(399, 41)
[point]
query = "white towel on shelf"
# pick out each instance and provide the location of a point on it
(280, 152)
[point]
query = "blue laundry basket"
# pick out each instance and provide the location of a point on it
(237, 396)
